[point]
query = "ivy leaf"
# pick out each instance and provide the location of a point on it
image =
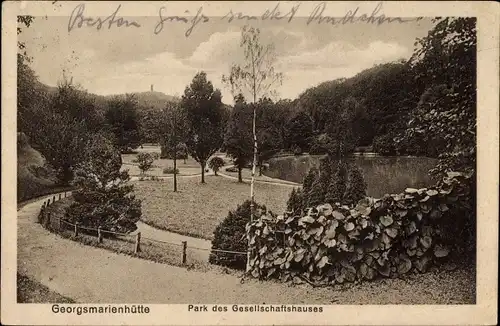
(330, 243)
(411, 190)
(386, 220)
(307, 219)
(411, 228)
(426, 242)
(271, 271)
(290, 220)
(443, 207)
(404, 265)
(327, 209)
(431, 192)
(299, 255)
(392, 232)
(349, 227)
(338, 215)
(324, 260)
(441, 251)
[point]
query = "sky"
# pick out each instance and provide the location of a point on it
(128, 59)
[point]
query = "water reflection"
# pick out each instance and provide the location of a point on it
(382, 174)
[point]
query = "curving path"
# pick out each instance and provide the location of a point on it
(92, 275)
(88, 274)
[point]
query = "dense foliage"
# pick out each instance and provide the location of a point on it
(230, 236)
(335, 182)
(122, 117)
(104, 198)
(388, 237)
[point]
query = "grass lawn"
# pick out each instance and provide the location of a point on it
(189, 168)
(196, 209)
(30, 291)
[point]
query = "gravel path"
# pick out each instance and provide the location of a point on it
(88, 274)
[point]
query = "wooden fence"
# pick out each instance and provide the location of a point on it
(137, 242)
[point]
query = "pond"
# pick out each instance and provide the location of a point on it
(382, 174)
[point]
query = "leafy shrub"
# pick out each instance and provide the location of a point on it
(170, 170)
(145, 161)
(232, 169)
(216, 163)
(385, 144)
(230, 235)
(388, 237)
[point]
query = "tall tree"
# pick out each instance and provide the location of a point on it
(123, 120)
(238, 140)
(172, 133)
(62, 129)
(257, 77)
(444, 63)
(205, 116)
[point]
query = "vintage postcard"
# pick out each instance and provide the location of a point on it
(240, 162)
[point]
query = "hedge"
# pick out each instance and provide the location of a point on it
(387, 237)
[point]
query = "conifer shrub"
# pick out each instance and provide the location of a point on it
(230, 235)
(355, 186)
(104, 199)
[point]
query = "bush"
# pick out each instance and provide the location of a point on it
(230, 235)
(145, 161)
(216, 163)
(388, 237)
(104, 198)
(170, 170)
(231, 169)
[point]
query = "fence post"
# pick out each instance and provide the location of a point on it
(184, 248)
(76, 229)
(137, 243)
(48, 202)
(53, 199)
(60, 196)
(99, 235)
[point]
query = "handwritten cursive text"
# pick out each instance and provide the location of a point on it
(79, 20)
(350, 17)
(198, 18)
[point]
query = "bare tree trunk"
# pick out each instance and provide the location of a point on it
(240, 178)
(175, 171)
(203, 172)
